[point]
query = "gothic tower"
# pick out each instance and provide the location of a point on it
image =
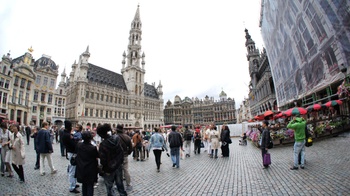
(134, 70)
(253, 58)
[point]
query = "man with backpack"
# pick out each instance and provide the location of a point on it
(111, 159)
(188, 139)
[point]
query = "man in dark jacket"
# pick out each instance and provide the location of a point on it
(175, 143)
(28, 132)
(44, 145)
(70, 146)
(61, 133)
(265, 139)
(126, 144)
(111, 159)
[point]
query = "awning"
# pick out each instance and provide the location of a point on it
(3, 115)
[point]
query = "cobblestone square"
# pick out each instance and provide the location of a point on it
(326, 173)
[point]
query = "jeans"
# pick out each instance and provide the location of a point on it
(49, 161)
(71, 173)
(62, 149)
(188, 147)
(175, 156)
(299, 147)
(2, 164)
(88, 189)
(263, 152)
(117, 177)
(37, 163)
(157, 155)
(126, 170)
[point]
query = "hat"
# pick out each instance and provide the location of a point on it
(120, 128)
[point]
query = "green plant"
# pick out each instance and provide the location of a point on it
(319, 129)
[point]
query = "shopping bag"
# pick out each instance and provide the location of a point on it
(267, 159)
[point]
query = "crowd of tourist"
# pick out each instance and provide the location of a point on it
(103, 151)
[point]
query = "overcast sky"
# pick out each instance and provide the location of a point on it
(194, 47)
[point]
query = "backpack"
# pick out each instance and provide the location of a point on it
(115, 156)
(188, 135)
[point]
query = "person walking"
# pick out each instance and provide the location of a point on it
(34, 136)
(62, 148)
(298, 124)
(70, 146)
(44, 145)
(5, 138)
(137, 141)
(18, 151)
(86, 159)
(264, 140)
(126, 144)
(188, 135)
(225, 141)
(197, 137)
(157, 143)
(214, 137)
(175, 143)
(111, 158)
(28, 132)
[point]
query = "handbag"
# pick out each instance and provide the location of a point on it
(267, 159)
(308, 142)
(73, 160)
(202, 145)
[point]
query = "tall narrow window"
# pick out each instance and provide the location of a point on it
(38, 79)
(16, 81)
(45, 81)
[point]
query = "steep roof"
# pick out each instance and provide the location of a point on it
(106, 77)
(150, 91)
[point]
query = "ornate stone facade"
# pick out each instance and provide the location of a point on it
(261, 88)
(96, 95)
(195, 112)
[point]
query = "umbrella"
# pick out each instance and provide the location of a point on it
(314, 107)
(259, 117)
(268, 113)
(295, 111)
(333, 103)
(279, 115)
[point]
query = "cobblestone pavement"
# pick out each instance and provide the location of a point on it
(326, 173)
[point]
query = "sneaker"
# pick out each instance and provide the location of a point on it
(42, 174)
(36, 167)
(74, 191)
(77, 186)
(302, 167)
(174, 164)
(54, 171)
(294, 168)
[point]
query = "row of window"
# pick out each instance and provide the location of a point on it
(45, 81)
(4, 83)
(42, 97)
(20, 99)
(106, 114)
(23, 82)
(107, 98)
